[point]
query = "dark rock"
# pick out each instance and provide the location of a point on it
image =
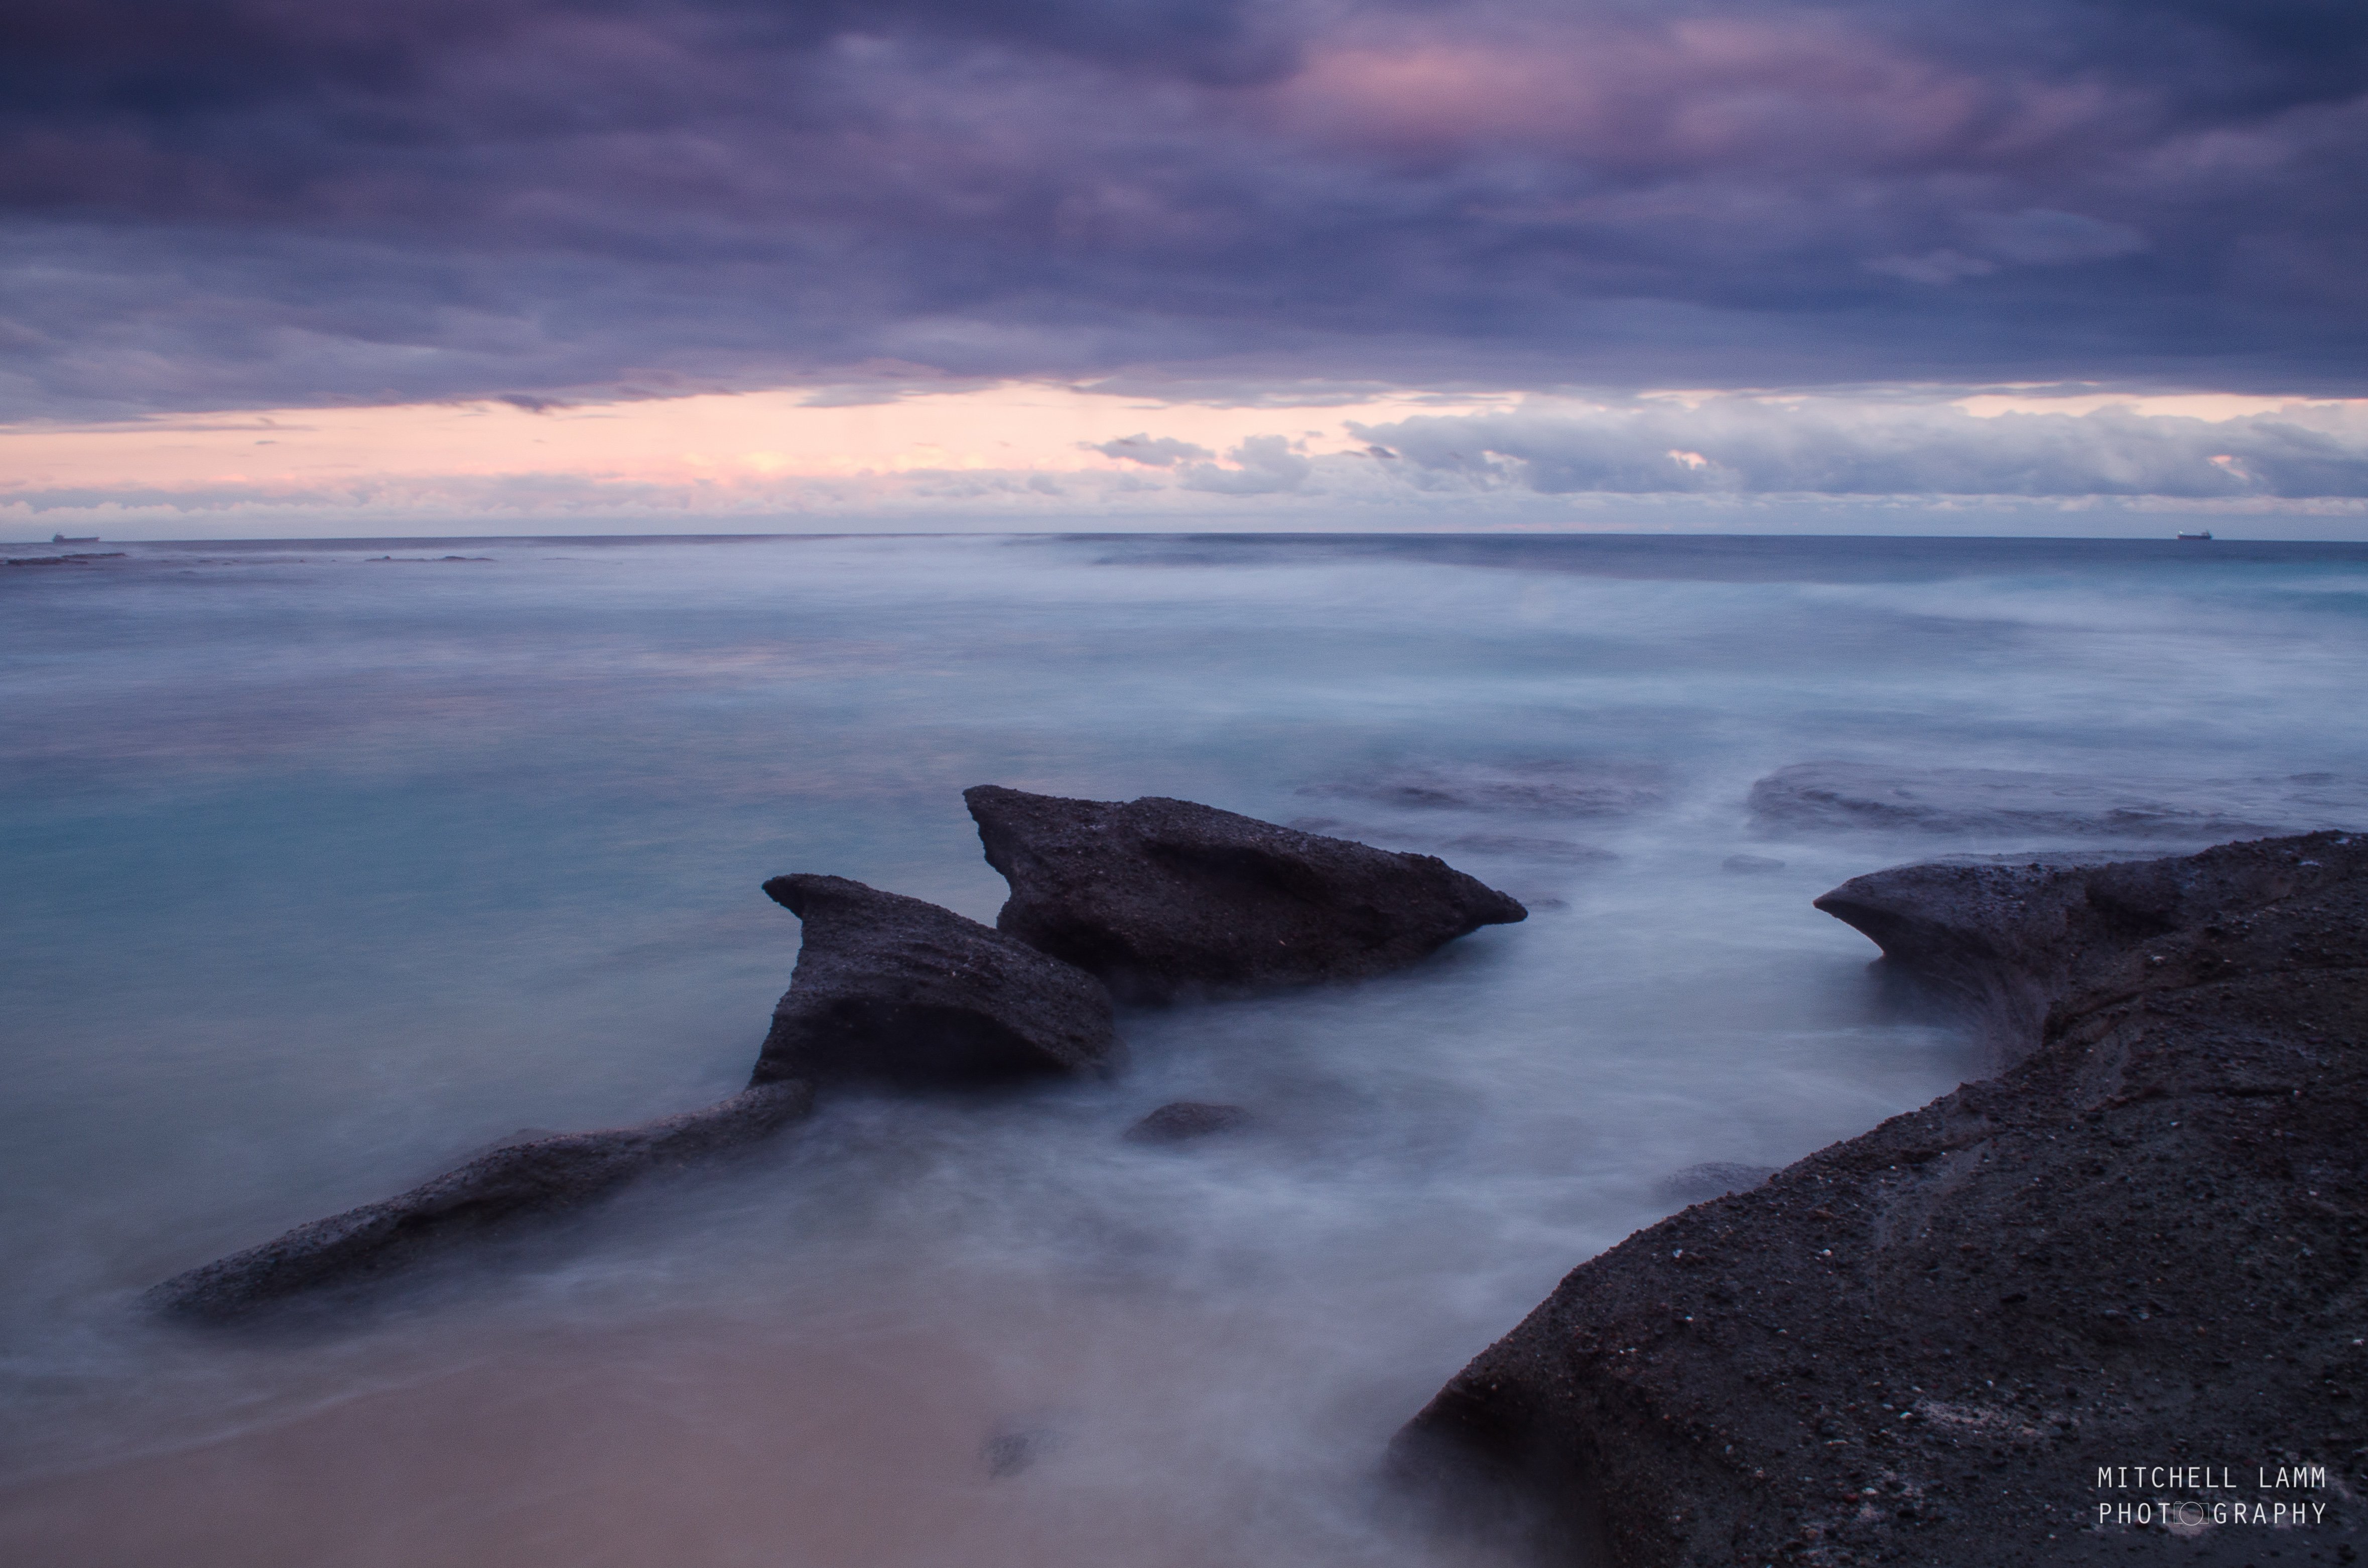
(1750, 864)
(1181, 1121)
(1011, 1450)
(1713, 1178)
(537, 1179)
(1998, 803)
(893, 989)
(1162, 897)
(2145, 1237)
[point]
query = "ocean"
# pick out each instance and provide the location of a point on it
(329, 864)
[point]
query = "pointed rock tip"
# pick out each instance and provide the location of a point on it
(795, 891)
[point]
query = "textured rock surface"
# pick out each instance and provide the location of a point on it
(2000, 805)
(1180, 1121)
(893, 989)
(543, 1177)
(2142, 1245)
(1164, 897)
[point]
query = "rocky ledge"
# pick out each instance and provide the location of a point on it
(539, 1179)
(1958, 1337)
(1164, 898)
(887, 989)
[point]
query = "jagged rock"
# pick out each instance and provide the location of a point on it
(2146, 1237)
(543, 1177)
(1998, 803)
(1162, 897)
(895, 991)
(1180, 1121)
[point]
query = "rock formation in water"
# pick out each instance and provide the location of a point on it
(537, 1179)
(887, 989)
(895, 991)
(1161, 898)
(1181, 1121)
(2143, 1244)
(1999, 804)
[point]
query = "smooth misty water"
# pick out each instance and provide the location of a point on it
(323, 872)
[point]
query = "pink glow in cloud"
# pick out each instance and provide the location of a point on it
(1704, 92)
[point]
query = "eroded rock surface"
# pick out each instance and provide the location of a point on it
(495, 1191)
(895, 991)
(2143, 1244)
(1161, 897)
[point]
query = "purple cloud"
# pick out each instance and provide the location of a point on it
(1164, 451)
(209, 203)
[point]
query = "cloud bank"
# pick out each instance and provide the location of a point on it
(989, 459)
(1753, 447)
(245, 204)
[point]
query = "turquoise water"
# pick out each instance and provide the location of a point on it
(324, 871)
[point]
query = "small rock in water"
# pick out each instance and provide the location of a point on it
(1750, 864)
(1184, 1119)
(1713, 1178)
(1011, 1450)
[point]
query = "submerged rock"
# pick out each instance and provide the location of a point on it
(1517, 846)
(1562, 788)
(2001, 804)
(1180, 1121)
(1162, 897)
(1713, 1178)
(893, 989)
(2142, 1238)
(537, 1179)
(1013, 1450)
(886, 988)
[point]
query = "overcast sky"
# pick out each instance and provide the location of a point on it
(1458, 239)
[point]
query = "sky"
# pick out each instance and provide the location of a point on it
(585, 266)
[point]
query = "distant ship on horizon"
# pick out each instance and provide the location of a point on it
(2206, 534)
